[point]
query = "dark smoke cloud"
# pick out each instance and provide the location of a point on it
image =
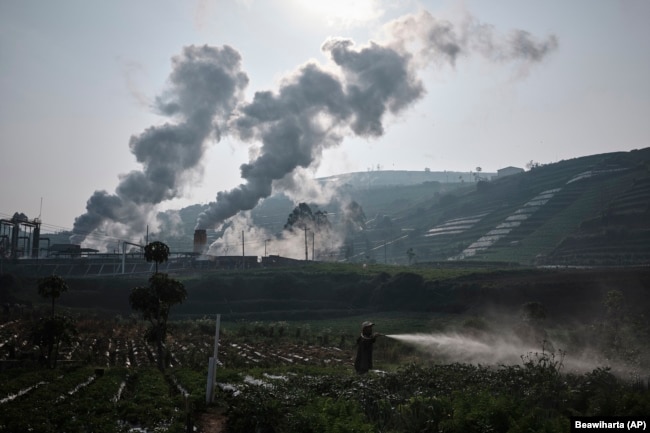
(205, 85)
(313, 110)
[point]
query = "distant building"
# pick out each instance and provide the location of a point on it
(69, 250)
(508, 171)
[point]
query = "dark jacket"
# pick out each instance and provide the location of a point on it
(363, 361)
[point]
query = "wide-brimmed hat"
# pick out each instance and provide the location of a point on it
(366, 324)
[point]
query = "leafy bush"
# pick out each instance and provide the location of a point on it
(455, 398)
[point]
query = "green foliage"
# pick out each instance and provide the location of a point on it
(51, 287)
(302, 218)
(154, 303)
(49, 333)
(455, 398)
(156, 252)
(149, 402)
(327, 415)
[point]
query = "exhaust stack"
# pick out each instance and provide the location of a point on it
(200, 240)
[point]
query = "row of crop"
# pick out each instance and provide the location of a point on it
(450, 398)
(48, 405)
(110, 400)
(106, 352)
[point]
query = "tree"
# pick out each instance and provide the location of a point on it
(49, 333)
(154, 303)
(52, 287)
(302, 217)
(477, 175)
(157, 252)
(531, 165)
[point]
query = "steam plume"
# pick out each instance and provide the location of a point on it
(205, 85)
(314, 109)
(440, 40)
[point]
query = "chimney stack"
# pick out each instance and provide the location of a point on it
(200, 240)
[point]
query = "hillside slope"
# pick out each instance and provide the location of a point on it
(592, 210)
(586, 211)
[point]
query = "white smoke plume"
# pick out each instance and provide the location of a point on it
(259, 241)
(300, 187)
(314, 108)
(438, 40)
(205, 85)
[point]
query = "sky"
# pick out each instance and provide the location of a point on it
(93, 95)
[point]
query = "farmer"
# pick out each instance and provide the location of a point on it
(363, 361)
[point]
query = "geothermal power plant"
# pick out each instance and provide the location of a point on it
(22, 245)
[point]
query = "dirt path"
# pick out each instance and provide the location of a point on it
(211, 421)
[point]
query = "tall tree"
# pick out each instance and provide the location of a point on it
(52, 287)
(302, 217)
(49, 333)
(157, 252)
(154, 302)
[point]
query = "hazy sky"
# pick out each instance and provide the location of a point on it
(79, 78)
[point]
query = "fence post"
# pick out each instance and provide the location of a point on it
(212, 365)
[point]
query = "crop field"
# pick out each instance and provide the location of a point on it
(464, 351)
(289, 377)
(107, 379)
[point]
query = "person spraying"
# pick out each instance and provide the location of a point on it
(365, 342)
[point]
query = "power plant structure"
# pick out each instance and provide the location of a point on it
(20, 228)
(200, 240)
(21, 251)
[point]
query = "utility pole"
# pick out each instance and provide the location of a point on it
(313, 242)
(243, 257)
(306, 247)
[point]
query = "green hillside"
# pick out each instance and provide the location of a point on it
(586, 211)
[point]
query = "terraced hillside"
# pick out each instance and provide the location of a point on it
(586, 211)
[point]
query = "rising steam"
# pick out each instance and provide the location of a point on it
(205, 85)
(313, 110)
(315, 107)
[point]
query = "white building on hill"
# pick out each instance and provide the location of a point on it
(507, 171)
